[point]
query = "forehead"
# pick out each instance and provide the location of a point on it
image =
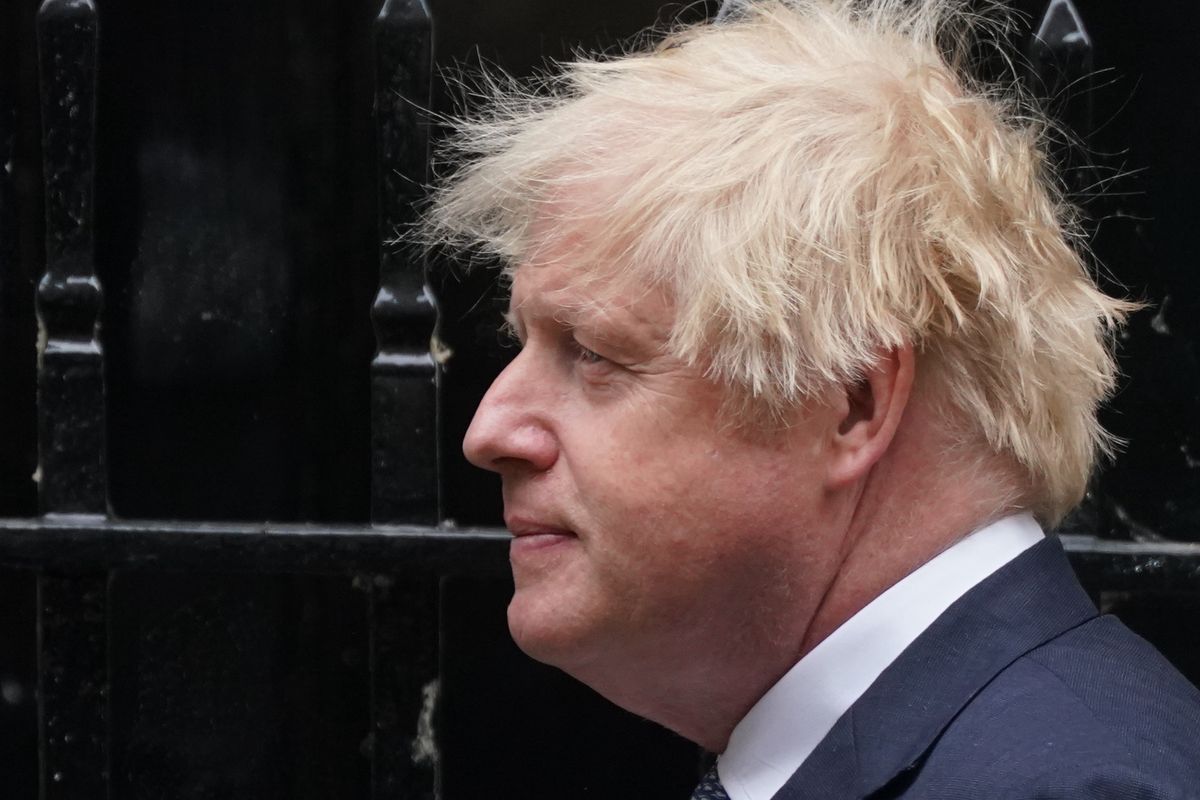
(576, 268)
(581, 297)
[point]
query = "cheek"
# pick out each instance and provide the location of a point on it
(686, 510)
(647, 457)
(667, 485)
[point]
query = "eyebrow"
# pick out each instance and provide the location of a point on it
(564, 316)
(576, 317)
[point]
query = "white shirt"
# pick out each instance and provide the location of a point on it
(791, 719)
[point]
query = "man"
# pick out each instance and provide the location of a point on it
(808, 362)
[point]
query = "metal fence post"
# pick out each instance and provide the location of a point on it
(72, 607)
(70, 359)
(404, 373)
(403, 615)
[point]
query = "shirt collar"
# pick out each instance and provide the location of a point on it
(791, 719)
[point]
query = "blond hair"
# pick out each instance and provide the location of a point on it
(814, 181)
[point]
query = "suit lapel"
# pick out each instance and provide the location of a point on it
(889, 730)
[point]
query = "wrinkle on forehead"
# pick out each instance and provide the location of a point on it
(579, 271)
(595, 299)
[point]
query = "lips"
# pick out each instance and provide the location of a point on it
(531, 535)
(522, 525)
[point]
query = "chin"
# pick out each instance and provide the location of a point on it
(530, 629)
(544, 632)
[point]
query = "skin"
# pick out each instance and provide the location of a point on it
(677, 565)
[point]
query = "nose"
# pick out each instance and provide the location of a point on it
(511, 430)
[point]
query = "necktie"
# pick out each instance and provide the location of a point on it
(710, 787)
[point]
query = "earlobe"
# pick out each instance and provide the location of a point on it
(872, 409)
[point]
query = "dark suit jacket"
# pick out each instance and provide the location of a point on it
(1019, 690)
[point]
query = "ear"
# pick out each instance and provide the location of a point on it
(870, 412)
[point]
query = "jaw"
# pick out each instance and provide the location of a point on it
(696, 670)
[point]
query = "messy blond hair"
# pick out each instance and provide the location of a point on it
(814, 181)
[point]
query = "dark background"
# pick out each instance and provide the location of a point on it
(237, 242)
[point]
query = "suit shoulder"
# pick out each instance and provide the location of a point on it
(1095, 712)
(1129, 689)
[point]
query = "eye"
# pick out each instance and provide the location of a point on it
(585, 355)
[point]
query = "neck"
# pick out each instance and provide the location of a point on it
(701, 687)
(917, 501)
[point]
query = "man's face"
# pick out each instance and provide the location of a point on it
(645, 525)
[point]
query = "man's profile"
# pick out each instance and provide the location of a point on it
(809, 362)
